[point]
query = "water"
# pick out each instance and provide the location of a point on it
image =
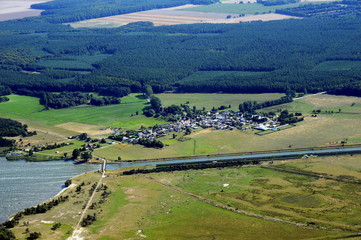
(26, 184)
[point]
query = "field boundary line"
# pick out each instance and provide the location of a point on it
(249, 214)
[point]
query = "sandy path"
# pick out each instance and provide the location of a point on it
(78, 231)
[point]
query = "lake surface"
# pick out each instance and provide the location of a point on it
(26, 184)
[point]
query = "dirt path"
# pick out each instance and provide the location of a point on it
(78, 231)
(311, 95)
(219, 205)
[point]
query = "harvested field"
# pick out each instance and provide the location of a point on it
(17, 9)
(158, 17)
(173, 16)
(88, 128)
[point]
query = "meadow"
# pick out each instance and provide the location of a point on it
(139, 208)
(290, 196)
(208, 101)
(28, 109)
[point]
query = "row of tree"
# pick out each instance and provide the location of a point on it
(251, 106)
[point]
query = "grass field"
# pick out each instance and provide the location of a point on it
(249, 8)
(209, 101)
(141, 208)
(350, 106)
(303, 199)
(28, 109)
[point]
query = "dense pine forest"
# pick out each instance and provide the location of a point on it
(311, 54)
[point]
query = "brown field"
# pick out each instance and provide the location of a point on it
(171, 16)
(17, 9)
(82, 128)
(159, 17)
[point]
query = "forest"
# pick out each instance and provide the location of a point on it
(345, 8)
(283, 55)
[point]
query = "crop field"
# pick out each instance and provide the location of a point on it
(209, 101)
(159, 17)
(140, 207)
(338, 65)
(189, 14)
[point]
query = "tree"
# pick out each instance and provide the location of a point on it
(67, 183)
(86, 155)
(83, 136)
(148, 91)
(34, 235)
(76, 153)
(156, 103)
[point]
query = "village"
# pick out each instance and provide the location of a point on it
(226, 120)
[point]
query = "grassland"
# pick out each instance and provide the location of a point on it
(215, 100)
(303, 199)
(250, 8)
(140, 207)
(28, 110)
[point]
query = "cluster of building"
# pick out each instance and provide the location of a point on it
(227, 120)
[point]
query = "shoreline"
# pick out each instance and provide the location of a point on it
(10, 217)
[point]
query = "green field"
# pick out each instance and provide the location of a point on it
(28, 109)
(209, 101)
(249, 8)
(294, 197)
(142, 208)
(338, 65)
